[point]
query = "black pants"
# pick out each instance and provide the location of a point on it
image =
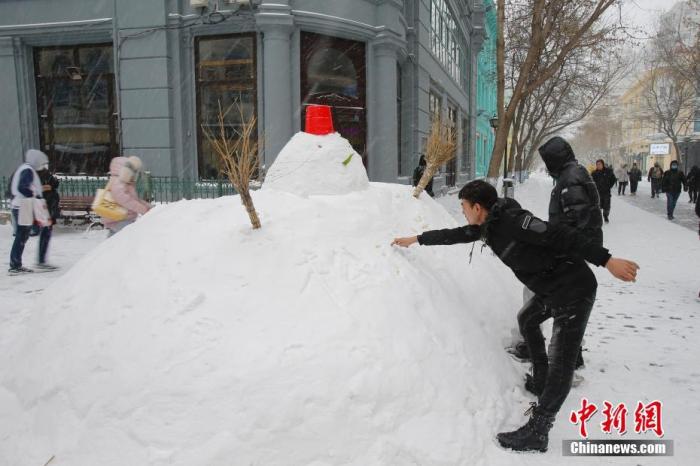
(569, 325)
(693, 193)
(633, 186)
(621, 186)
(655, 187)
(605, 205)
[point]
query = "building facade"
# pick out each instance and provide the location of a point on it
(486, 92)
(148, 78)
(642, 139)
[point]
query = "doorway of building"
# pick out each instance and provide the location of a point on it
(333, 74)
(76, 107)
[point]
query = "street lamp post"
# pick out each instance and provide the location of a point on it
(494, 125)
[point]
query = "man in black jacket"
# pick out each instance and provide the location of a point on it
(671, 184)
(635, 175)
(549, 260)
(574, 202)
(604, 179)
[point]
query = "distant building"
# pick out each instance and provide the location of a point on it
(87, 83)
(486, 92)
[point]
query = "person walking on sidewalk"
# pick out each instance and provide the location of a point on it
(49, 184)
(671, 184)
(635, 176)
(622, 178)
(25, 186)
(551, 261)
(604, 180)
(693, 180)
(654, 176)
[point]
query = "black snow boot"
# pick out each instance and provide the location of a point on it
(535, 383)
(533, 436)
(520, 351)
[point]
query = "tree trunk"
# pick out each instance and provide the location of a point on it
(247, 201)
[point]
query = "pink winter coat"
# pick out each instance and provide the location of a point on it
(124, 194)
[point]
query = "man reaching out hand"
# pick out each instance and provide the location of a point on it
(551, 261)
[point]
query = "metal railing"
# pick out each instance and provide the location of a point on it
(160, 189)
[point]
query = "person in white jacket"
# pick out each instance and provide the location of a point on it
(622, 178)
(124, 172)
(25, 186)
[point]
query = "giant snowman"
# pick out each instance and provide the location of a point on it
(191, 339)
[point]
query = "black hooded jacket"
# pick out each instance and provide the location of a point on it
(548, 259)
(574, 200)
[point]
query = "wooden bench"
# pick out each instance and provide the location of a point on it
(77, 207)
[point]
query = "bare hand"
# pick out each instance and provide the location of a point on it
(622, 269)
(404, 242)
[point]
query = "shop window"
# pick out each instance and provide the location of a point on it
(227, 79)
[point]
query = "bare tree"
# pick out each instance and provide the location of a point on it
(670, 99)
(557, 28)
(238, 152)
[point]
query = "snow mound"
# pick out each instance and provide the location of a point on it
(190, 339)
(312, 165)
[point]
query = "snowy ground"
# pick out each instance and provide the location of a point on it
(642, 338)
(684, 214)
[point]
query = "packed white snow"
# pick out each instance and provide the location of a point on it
(310, 164)
(191, 339)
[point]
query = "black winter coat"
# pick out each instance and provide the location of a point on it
(635, 174)
(574, 200)
(51, 195)
(604, 180)
(693, 178)
(548, 259)
(673, 181)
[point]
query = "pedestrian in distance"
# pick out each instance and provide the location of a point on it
(671, 184)
(24, 187)
(635, 176)
(49, 185)
(655, 175)
(693, 180)
(551, 261)
(622, 178)
(418, 174)
(604, 179)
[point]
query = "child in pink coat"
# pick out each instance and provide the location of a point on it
(124, 172)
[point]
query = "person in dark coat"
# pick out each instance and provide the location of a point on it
(604, 179)
(551, 261)
(418, 174)
(671, 184)
(654, 176)
(635, 175)
(49, 185)
(574, 201)
(693, 180)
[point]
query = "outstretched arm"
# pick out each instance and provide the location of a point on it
(465, 234)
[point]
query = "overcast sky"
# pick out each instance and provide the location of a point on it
(644, 13)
